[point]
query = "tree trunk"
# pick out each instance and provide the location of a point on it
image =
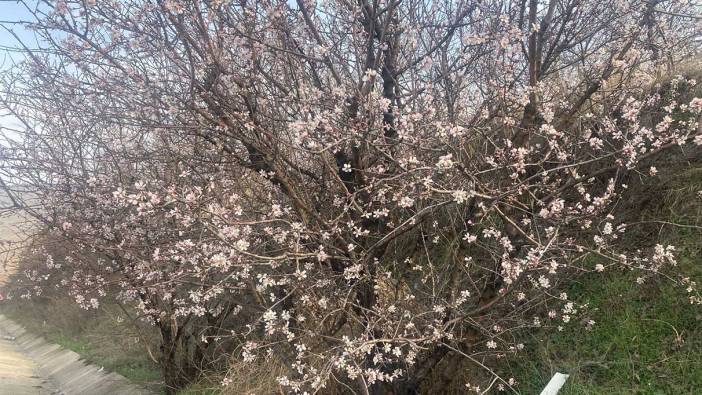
(173, 377)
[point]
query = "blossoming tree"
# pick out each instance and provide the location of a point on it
(359, 191)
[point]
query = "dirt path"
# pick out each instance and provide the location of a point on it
(10, 244)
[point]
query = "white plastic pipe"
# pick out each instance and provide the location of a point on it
(555, 384)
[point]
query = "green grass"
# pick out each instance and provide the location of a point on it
(647, 339)
(199, 389)
(134, 368)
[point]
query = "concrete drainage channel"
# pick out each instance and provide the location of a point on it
(30, 365)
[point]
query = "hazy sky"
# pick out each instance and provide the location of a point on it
(11, 11)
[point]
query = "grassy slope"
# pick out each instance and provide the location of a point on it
(647, 340)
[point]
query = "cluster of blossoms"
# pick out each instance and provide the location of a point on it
(339, 189)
